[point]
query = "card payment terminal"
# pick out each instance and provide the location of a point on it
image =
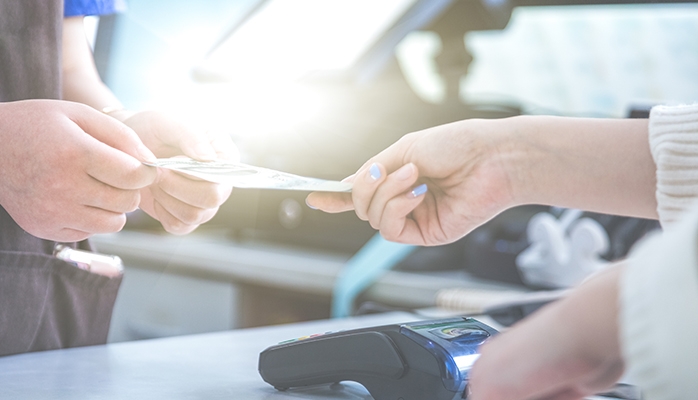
(411, 361)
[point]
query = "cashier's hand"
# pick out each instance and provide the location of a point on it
(68, 171)
(180, 202)
(431, 187)
(568, 350)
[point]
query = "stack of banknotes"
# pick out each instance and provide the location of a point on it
(248, 176)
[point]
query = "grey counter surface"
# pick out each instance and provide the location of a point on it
(208, 366)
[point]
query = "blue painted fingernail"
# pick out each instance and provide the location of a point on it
(309, 205)
(419, 190)
(375, 172)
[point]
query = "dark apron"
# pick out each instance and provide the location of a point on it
(45, 303)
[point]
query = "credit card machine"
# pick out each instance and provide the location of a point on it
(411, 361)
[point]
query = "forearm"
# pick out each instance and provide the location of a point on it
(81, 81)
(601, 165)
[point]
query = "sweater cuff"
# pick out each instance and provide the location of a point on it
(659, 305)
(673, 136)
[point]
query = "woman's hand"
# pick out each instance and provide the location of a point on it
(432, 186)
(568, 350)
(473, 169)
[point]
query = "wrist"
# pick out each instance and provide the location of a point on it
(535, 153)
(510, 152)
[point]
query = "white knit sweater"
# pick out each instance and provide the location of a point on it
(659, 292)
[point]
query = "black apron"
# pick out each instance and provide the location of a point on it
(45, 303)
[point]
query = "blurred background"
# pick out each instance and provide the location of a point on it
(315, 88)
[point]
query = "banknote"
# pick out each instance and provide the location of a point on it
(248, 176)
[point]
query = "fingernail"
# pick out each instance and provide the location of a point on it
(418, 191)
(310, 205)
(405, 172)
(374, 172)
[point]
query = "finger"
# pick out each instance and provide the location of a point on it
(330, 202)
(66, 235)
(111, 132)
(194, 143)
(196, 193)
(115, 152)
(171, 223)
(184, 212)
(395, 184)
(365, 184)
(95, 220)
(396, 225)
(117, 169)
(225, 148)
(108, 198)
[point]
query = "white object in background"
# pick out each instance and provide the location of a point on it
(586, 60)
(563, 252)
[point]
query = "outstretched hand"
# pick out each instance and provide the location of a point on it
(431, 187)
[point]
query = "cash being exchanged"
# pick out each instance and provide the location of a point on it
(248, 176)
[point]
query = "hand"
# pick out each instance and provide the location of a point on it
(473, 169)
(466, 184)
(68, 170)
(568, 350)
(180, 202)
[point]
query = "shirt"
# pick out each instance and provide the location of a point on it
(73, 8)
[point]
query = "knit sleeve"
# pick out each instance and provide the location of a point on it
(659, 312)
(673, 135)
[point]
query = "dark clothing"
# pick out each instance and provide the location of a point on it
(45, 303)
(30, 49)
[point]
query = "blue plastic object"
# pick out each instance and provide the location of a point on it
(368, 264)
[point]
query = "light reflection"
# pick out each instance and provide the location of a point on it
(465, 362)
(288, 39)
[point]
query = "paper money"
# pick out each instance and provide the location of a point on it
(248, 176)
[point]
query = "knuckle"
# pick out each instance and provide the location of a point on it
(174, 226)
(214, 198)
(208, 215)
(114, 224)
(361, 214)
(142, 176)
(389, 236)
(133, 201)
(178, 227)
(190, 215)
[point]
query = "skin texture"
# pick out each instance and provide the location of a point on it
(75, 171)
(476, 168)
(179, 202)
(568, 350)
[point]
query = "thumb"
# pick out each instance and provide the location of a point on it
(115, 151)
(197, 146)
(111, 132)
